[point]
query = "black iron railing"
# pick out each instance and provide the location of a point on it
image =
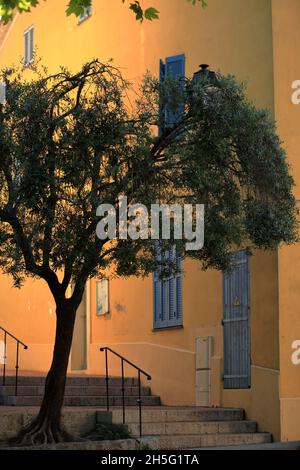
(18, 343)
(139, 373)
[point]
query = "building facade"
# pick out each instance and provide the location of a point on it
(231, 340)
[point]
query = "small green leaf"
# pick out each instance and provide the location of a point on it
(203, 2)
(151, 14)
(77, 7)
(137, 10)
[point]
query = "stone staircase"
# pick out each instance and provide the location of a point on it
(163, 427)
(192, 427)
(80, 391)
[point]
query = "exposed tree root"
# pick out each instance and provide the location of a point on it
(42, 432)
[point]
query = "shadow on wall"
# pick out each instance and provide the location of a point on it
(120, 308)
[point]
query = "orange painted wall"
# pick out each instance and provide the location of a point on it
(29, 314)
(235, 38)
(286, 35)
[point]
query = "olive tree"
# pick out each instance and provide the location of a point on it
(69, 142)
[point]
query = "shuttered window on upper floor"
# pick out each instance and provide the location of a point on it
(29, 45)
(173, 67)
(167, 293)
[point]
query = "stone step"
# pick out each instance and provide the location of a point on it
(74, 381)
(133, 444)
(85, 390)
(80, 400)
(81, 421)
(179, 414)
(192, 441)
(120, 445)
(192, 428)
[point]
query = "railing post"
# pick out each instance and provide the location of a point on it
(140, 402)
(123, 390)
(140, 371)
(106, 380)
(4, 359)
(17, 369)
(6, 333)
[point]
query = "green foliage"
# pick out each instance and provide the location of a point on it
(109, 432)
(137, 10)
(151, 14)
(70, 142)
(76, 7)
(143, 446)
(7, 7)
(203, 2)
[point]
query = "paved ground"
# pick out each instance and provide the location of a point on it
(274, 446)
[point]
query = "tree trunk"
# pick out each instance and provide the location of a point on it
(46, 427)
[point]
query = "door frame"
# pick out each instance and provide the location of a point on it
(87, 302)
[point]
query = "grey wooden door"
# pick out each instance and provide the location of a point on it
(236, 323)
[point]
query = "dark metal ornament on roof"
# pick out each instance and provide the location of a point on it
(205, 73)
(210, 82)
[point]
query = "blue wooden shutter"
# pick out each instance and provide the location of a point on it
(175, 283)
(171, 289)
(31, 44)
(175, 68)
(178, 284)
(160, 297)
(162, 69)
(236, 324)
(167, 295)
(157, 301)
(161, 108)
(26, 48)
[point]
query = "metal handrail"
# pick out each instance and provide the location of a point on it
(18, 341)
(139, 370)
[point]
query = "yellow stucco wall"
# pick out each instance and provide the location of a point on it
(29, 314)
(286, 35)
(235, 38)
(169, 355)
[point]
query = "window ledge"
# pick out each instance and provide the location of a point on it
(100, 315)
(167, 328)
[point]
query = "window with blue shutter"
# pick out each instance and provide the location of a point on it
(173, 67)
(29, 46)
(167, 293)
